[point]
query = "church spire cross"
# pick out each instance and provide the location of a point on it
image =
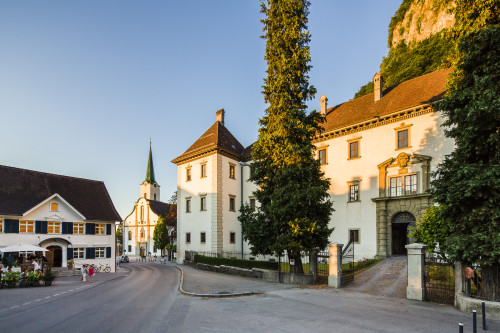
(150, 172)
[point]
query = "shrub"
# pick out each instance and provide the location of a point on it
(241, 263)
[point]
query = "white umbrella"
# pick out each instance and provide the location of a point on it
(22, 248)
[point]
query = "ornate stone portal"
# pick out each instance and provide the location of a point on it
(390, 227)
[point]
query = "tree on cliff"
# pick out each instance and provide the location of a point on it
(294, 204)
(467, 183)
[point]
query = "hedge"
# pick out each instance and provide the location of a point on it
(249, 264)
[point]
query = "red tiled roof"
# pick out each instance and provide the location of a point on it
(21, 190)
(424, 89)
(216, 137)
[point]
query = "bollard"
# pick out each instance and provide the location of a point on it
(474, 322)
(460, 327)
(483, 308)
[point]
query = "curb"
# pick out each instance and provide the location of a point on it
(187, 293)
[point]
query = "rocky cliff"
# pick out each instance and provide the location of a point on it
(416, 20)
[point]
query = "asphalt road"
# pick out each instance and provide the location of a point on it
(143, 297)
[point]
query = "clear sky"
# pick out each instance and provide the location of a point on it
(84, 85)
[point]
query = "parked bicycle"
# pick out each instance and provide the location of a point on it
(102, 268)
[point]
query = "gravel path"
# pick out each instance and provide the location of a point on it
(387, 278)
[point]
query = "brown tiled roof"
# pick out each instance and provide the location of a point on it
(216, 137)
(247, 153)
(424, 89)
(159, 208)
(21, 190)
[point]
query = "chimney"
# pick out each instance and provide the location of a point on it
(377, 87)
(323, 102)
(220, 116)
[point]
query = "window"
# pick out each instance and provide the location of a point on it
(188, 205)
(100, 229)
(130, 249)
(78, 228)
(232, 204)
(26, 226)
(141, 234)
(203, 203)
(188, 174)
(100, 252)
(322, 156)
(154, 197)
(252, 204)
(54, 227)
(411, 184)
(403, 185)
(353, 192)
(53, 206)
(354, 149)
(203, 237)
(232, 237)
(402, 139)
(354, 235)
(231, 171)
(79, 253)
(188, 237)
(203, 170)
(130, 235)
(142, 213)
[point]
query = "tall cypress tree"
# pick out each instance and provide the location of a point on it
(294, 206)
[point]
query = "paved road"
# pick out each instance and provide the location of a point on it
(144, 298)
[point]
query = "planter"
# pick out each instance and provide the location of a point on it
(48, 283)
(70, 267)
(23, 284)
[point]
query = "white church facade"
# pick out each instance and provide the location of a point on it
(139, 225)
(377, 150)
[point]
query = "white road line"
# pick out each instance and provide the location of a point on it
(63, 292)
(15, 306)
(71, 290)
(26, 303)
(56, 295)
(37, 300)
(48, 296)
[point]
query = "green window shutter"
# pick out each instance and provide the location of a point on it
(11, 226)
(90, 228)
(70, 253)
(67, 227)
(41, 227)
(108, 252)
(108, 229)
(90, 253)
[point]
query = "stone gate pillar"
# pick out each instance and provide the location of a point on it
(416, 272)
(335, 266)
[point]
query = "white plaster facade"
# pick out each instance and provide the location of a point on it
(373, 216)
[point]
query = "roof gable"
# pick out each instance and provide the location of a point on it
(46, 201)
(21, 190)
(217, 137)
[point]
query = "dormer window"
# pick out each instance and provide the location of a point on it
(54, 206)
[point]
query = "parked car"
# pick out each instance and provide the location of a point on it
(124, 259)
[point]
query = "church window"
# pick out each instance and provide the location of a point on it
(188, 205)
(53, 206)
(100, 229)
(232, 171)
(322, 156)
(78, 228)
(188, 174)
(203, 237)
(79, 253)
(130, 249)
(203, 170)
(354, 235)
(142, 213)
(26, 226)
(232, 237)
(232, 203)
(130, 235)
(203, 203)
(188, 237)
(53, 227)
(100, 252)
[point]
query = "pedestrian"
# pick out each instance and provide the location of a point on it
(84, 273)
(91, 273)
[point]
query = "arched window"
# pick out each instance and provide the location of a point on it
(142, 213)
(130, 235)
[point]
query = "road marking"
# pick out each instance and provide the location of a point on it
(63, 292)
(56, 295)
(71, 289)
(37, 300)
(48, 296)
(15, 306)
(26, 303)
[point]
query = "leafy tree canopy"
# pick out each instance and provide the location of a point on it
(294, 203)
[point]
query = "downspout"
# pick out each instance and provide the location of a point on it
(242, 164)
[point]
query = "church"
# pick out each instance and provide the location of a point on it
(139, 225)
(378, 151)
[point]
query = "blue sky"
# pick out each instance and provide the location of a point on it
(85, 84)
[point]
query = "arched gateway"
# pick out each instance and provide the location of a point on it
(400, 224)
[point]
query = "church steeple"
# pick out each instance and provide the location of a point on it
(149, 188)
(150, 172)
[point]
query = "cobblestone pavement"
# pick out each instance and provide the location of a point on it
(388, 278)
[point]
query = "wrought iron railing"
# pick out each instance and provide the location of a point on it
(481, 282)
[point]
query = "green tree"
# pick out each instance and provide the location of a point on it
(294, 204)
(430, 228)
(119, 238)
(160, 236)
(467, 183)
